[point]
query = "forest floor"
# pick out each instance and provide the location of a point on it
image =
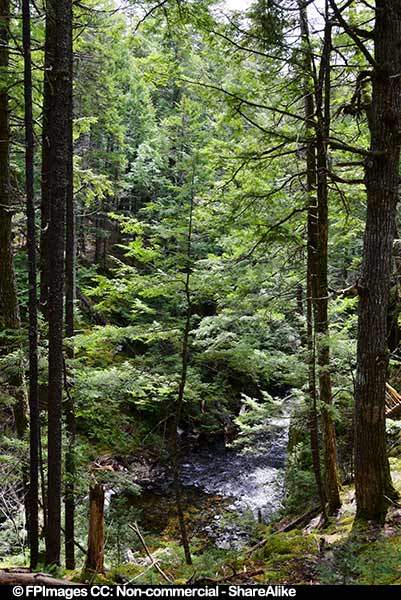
(339, 554)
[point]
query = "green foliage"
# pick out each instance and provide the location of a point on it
(300, 480)
(189, 175)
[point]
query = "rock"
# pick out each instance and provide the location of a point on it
(313, 524)
(129, 556)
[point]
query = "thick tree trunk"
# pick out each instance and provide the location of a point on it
(58, 140)
(322, 323)
(33, 321)
(372, 473)
(44, 259)
(95, 555)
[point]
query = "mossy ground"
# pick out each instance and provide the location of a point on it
(338, 554)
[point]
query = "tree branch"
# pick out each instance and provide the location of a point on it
(242, 100)
(135, 529)
(269, 230)
(352, 34)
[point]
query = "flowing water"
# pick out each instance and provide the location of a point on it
(225, 489)
(251, 481)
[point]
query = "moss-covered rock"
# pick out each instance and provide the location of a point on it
(293, 543)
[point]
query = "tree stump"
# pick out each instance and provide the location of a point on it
(95, 554)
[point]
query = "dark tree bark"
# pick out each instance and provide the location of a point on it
(44, 266)
(59, 12)
(33, 321)
(322, 94)
(95, 555)
(372, 473)
(312, 267)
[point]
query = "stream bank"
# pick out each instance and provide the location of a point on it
(339, 554)
(226, 490)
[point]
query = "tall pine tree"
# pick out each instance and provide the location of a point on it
(58, 125)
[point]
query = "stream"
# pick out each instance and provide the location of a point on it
(225, 489)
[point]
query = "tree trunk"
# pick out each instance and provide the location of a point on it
(58, 140)
(176, 459)
(372, 473)
(323, 85)
(9, 309)
(312, 244)
(33, 320)
(95, 555)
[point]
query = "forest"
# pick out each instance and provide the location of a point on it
(200, 292)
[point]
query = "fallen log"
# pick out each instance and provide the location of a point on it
(22, 577)
(299, 520)
(288, 527)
